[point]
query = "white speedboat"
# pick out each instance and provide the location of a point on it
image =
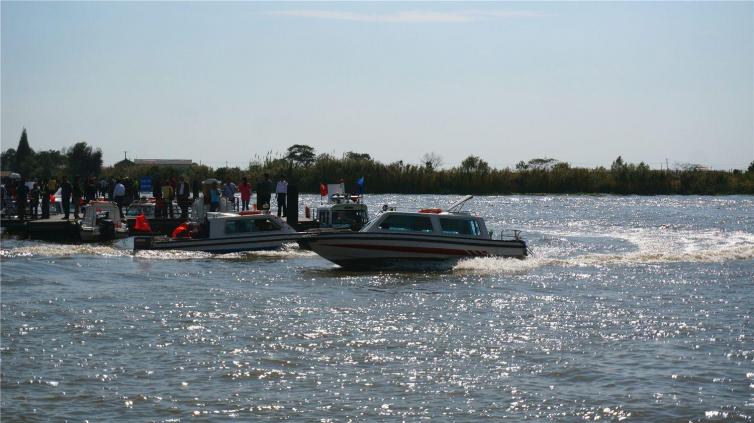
(404, 239)
(225, 233)
(102, 222)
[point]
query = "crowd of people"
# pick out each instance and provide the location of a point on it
(264, 189)
(35, 199)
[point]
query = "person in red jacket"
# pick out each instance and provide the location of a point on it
(245, 189)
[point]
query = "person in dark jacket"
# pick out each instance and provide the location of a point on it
(65, 197)
(22, 198)
(34, 195)
(76, 193)
(44, 192)
(90, 192)
(264, 192)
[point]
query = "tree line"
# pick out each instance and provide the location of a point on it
(307, 169)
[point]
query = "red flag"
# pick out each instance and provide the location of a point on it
(322, 190)
(142, 224)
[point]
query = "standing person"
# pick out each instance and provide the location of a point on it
(76, 195)
(65, 196)
(90, 192)
(214, 197)
(159, 205)
(22, 198)
(182, 191)
(44, 191)
(245, 189)
(52, 187)
(282, 192)
(102, 187)
(34, 201)
(229, 192)
(195, 187)
(264, 192)
(119, 195)
(167, 196)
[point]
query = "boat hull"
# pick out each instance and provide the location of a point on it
(95, 235)
(379, 250)
(217, 245)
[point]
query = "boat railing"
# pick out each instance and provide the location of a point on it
(508, 234)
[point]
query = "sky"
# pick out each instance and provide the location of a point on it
(225, 83)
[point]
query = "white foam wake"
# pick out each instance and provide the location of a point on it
(699, 247)
(63, 250)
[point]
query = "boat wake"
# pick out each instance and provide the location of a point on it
(45, 250)
(62, 250)
(705, 247)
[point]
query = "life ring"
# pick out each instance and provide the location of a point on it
(248, 212)
(433, 211)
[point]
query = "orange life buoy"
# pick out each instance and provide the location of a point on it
(248, 212)
(434, 211)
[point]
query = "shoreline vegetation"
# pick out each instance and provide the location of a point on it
(307, 170)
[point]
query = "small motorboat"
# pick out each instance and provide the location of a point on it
(405, 239)
(225, 233)
(102, 222)
(342, 211)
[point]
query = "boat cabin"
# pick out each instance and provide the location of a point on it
(430, 223)
(225, 225)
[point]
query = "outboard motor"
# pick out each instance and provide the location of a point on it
(106, 230)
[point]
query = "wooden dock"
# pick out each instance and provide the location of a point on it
(51, 229)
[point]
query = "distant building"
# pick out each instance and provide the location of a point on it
(164, 162)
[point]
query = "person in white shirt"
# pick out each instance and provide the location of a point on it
(282, 192)
(119, 194)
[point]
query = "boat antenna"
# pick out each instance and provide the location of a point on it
(458, 205)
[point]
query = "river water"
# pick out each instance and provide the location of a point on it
(632, 308)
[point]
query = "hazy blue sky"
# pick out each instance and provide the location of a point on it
(216, 82)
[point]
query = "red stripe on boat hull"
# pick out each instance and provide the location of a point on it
(424, 250)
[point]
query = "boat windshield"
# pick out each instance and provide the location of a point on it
(137, 210)
(349, 217)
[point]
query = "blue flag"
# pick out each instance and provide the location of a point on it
(360, 183)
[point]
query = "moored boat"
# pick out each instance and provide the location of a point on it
(342, 211)
(404, 239)
(225, 233)
(102, 222)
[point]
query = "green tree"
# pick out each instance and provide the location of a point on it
(8, 159)
(24, 160)
(357, 156)
(541, 164)
(83, 160)
(432, 161)
(474, 164)
(751, 167)
(49, 163)
(301, 155)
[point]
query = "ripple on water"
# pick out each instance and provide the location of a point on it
(601, 324)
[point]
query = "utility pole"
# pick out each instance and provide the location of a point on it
(667, 167)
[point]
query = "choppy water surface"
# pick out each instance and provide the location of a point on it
(633, 308)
